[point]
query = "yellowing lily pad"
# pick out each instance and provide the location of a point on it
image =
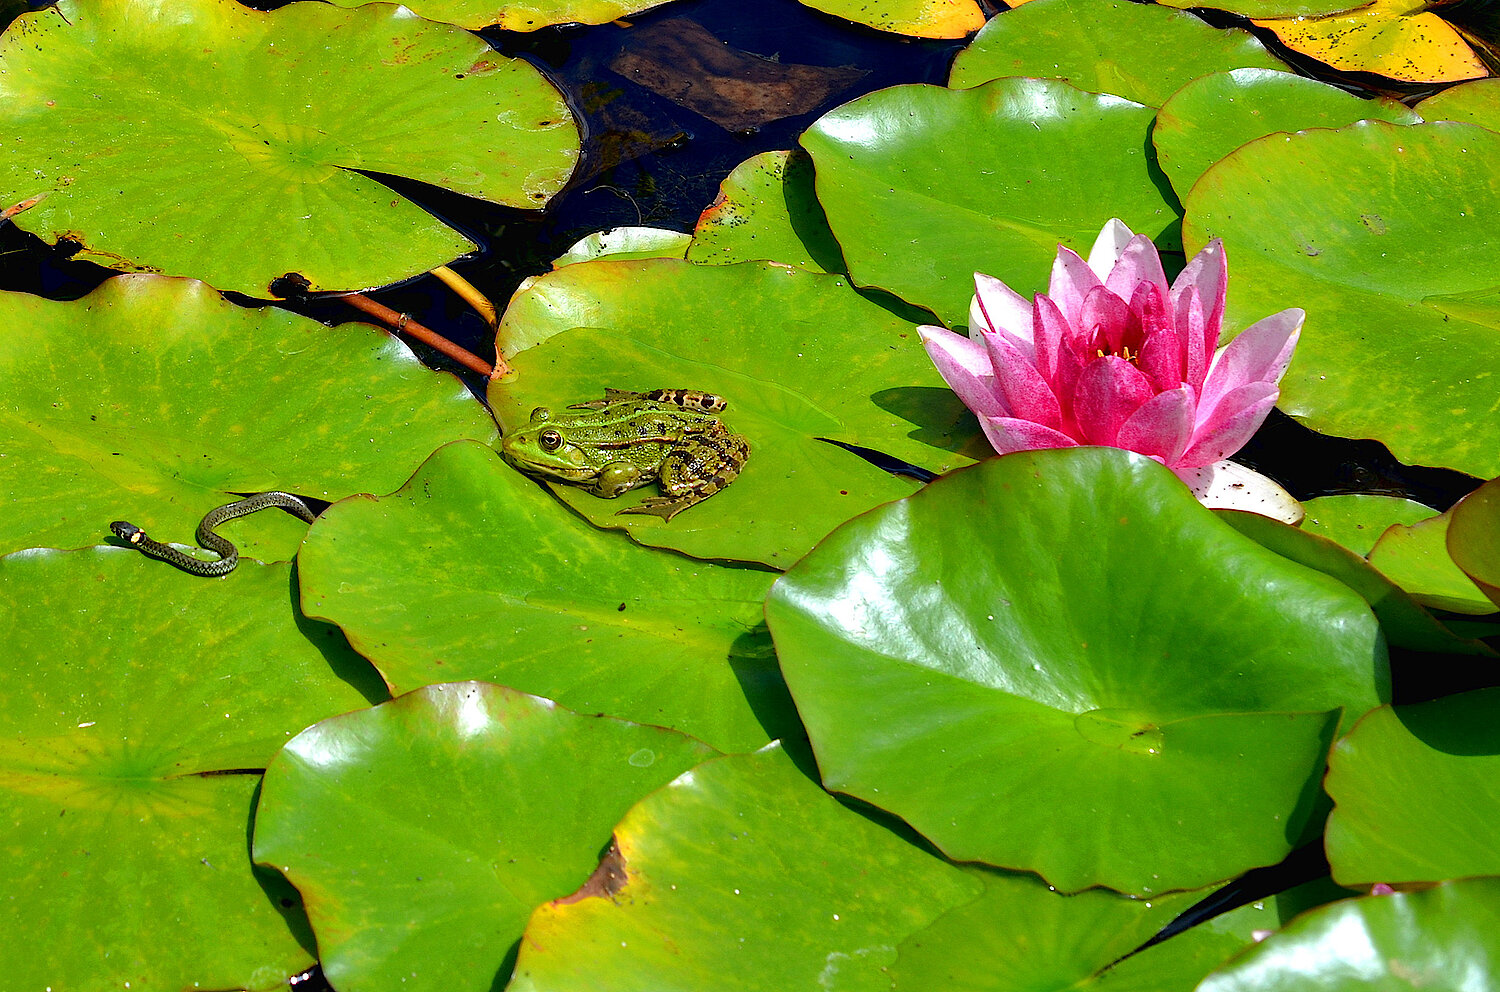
(524, 15)
(741, 874)
(918, 18)
(1402, 39)
(1142, 52)
(271, 120)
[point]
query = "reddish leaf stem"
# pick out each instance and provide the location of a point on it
(403, 324)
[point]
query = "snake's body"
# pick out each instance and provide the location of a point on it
(229, 556)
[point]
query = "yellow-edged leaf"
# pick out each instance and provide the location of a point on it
(1401, 39)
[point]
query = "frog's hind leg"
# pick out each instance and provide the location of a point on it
(695, 470)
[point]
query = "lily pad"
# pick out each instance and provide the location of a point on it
(140, 705)
(1416, 558)
(524, 15)
(1474, 538)
(767, 209)
(1269, 8)
(1477, 102)
(154, 400)
(918, 18)
(1356, 521)
(741, 874)
(268, 116)
(472, 572)
(1401, 39)
(924, 185)
(1212, 116)
(1417, 792)
(1382, 234)
(803, 357)
(1404, 623)
(1141, 52)
(1033, 662)
(1407, 940)
(423, 832)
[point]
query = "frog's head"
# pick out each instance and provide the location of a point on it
(541, 448)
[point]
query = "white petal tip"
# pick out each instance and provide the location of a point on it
(1225, 485)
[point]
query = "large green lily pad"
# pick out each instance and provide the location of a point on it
(799, 357)
(1060, 661)
(924, 185)
(267, 116)
(1141, 52)
(1416, 558)
(423, 832)
(1382, 234)
(1211, 116)
(742, 875)
(140, 705)
(1408, 940)
(1417, 792)
(470, 571)
(154, 400)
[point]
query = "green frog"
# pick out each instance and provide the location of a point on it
(628, 440)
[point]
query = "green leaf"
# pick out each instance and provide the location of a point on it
(1416, 558)
(180, 401)
(140, 705)
(1382, 234)
(924, 185)
(803, 358)
(1138, 51)
(470, 571)
(1060, 661)
(767, 209)
(524, 15)
(1404, 622)
(268, 116)
(1356, 521)
(424, 831)
(741, 875)
(1270, 8)
(1212, 116)
(919, 18)
(1476, 102)
(1408, 940)
(1417, 793)
(1474, 538)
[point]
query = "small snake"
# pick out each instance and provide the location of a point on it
(229, 556)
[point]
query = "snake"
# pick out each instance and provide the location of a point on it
(229, 555)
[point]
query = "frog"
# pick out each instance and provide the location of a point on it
(630, 439)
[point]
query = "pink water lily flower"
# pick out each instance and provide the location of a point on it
(1111, 355)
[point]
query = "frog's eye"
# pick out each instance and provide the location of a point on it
(550, 440)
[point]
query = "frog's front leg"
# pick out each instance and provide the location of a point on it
(698, 467)
(617, 478)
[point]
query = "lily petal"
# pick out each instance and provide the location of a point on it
(996, 307)
(1109, 390)
(1071, 281)
(1049, 330)
(1208, 273)
(1108, 246)
(1161, 427)
(965, 367)
(1159, 351)
(1190, 323)
(1101, 325)
(1230, 424)
(1138, 263)
(1260, 353)
(1022, 388)
(1008, 434)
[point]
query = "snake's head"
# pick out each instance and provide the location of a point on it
(127, 531)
